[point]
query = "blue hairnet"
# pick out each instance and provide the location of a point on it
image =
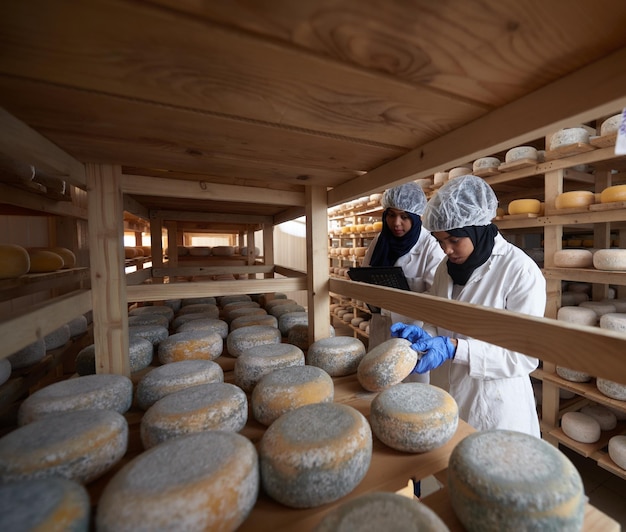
(407, 197)
(461, 202)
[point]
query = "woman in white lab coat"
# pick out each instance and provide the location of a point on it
(490, 384)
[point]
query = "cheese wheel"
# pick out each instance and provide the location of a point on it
(568, 136)
(378, 226)
(209, 309)
(14, 261)
(238, 312)
(572, 375)
(381, 511)
(266, 320)
(459, 171)
(140, 354)
(130, 252)
(163, 310)
(611, 124)
(414, 417)
(78, 445)
(5, 370)
(190, 345)
(239, 304)
(580, 427)
(256, 362)
(201, 299)
(57, 338)
(519, 153)
(222, 301)
(485, 162)
(618, 303)
(573, 258)
(338, 356)
(148, 319)
(574, 199)
(508, 480)
(278, 311)
(29, 355)
(386, 364)
(245, 338)
(78, 326)
(439, 178)
(599, 307)
(613, 321)
(287, 320)
(613, 194)
(44, 504)
(610, 259)
(175, 376)
(606, 419)
(183, 320)
(152, 333)
(213, 406)
(91, 392)
(611, 389)
(203, 481)
(286, 389)
(42, 261)
(525, 206)
(617, 450)
(315, 454)
(69, 259)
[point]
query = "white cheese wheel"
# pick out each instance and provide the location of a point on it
(5, 370)
(617, 450)
(386, 364)
(213, 406)
(44, 504)
(170, 378)
(266, 320)
(244, 338)
(153, 333)
(43, 261)
(569, 136)
(580, 427)
(29, 355)
(572, 375)
(203, 481)
(286, 389)
(289, 319)
(574, 199)
(414, 417)
(256, 362)
(209, 309)
(519, 153)
(140, 354)
(338, 356)
(80, 445)
(610, 259)
(197, 322)
(618, 303)
(612, 389)
(606, 418)
(440, 178)
(14, 261)
(190, 345)
(508, 480)
(613, 194)
(57, 338)
(459, 171)
(164, 310)
(91, 392)
(485, 162)
(599, 307)
(611, 124)
(381, 511)
(223, 251)
(573, 258)
(525, 206)
(614, 321)
(315, 454)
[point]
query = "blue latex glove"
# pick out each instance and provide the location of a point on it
(412, 333)
(436, 351)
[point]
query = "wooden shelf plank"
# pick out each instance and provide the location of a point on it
(586, 275)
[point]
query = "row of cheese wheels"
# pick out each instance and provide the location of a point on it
(16, 260)
(357, 251)
(358, 228)
(134, 252)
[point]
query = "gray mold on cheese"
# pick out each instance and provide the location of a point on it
(338, 356)
(244, 338)
(256, 362)
(190, 345)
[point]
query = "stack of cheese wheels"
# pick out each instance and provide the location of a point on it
(414, 417)
(175, 376)
(256, 362)
(52, 503)
(102, 392)
(315, 454)
(29, 355)
(508, 480)
(79, 445)
(286, 389)
(337, 356)
(520, 153)
(617, 450)
(14, 261)
(381, 511)
(140, 354)
(580, 427)
(605, 417)
(573, 258)
(613, 194)
(190, 345)
(154, 333)
(612, 389)
(214, 406)
(223, 251)
(244, 338)
(610, 259)
(525, 206)
(569, 136)
(575, 199)
(386, 364)
(203, 481)
(266, 320)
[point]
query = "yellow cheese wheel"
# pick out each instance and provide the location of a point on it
(42, 261)
(378, 226)
(14, 261)
(525, 206)
(130, 252)
(69, 259)
(574, 199)
(614, 193)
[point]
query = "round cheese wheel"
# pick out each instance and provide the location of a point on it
(203, 481)
(201, 299)
(223, 251)
(190, 345)
(148, 319)
(386, 364)
(613, 194)
(43, 261)
(573, 258)
(580, 427)
(611, 124)
(525, 206)
(258, 361)
(244, 338)
(613, 321)
(266, 320)
(381, 511)
(610, 259)
(44, 504)
(14, 261)
(140, 354)
(378, 226)
(269, 305)
(286, 389)
(152, 333)
(508, 480)
(57, 338)
(222, 301)
(519, 153)
(78, 445)
(606, 418)
(91, 392)
(245, 311)
(459, 171)
(414, 417)
(599, 307)
(611, 389)
(338, 356)
(572, 375)
(439, 178)
(78, 326)
(175, 376)
(574, 199)
(208, 309)
(485, 162)
(213, 406)
(289, 319)
(69, 259)
(285, 309)
(617, 450)
(29, 355)
(315, 454)
(205, 321)
(569, 136)
(130, 252)
(163, 310)
(239, 304)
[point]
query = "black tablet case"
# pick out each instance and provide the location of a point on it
(391, 276)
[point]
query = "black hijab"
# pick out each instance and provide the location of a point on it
(389, 248)
(483, 238)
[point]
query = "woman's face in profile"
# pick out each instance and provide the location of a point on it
(399, 222)
(456, 248)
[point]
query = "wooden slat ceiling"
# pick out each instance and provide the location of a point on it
(353, 95)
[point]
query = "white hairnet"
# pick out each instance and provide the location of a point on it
(407, 197)
(462, 201)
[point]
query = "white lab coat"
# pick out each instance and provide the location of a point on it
(491, 384)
